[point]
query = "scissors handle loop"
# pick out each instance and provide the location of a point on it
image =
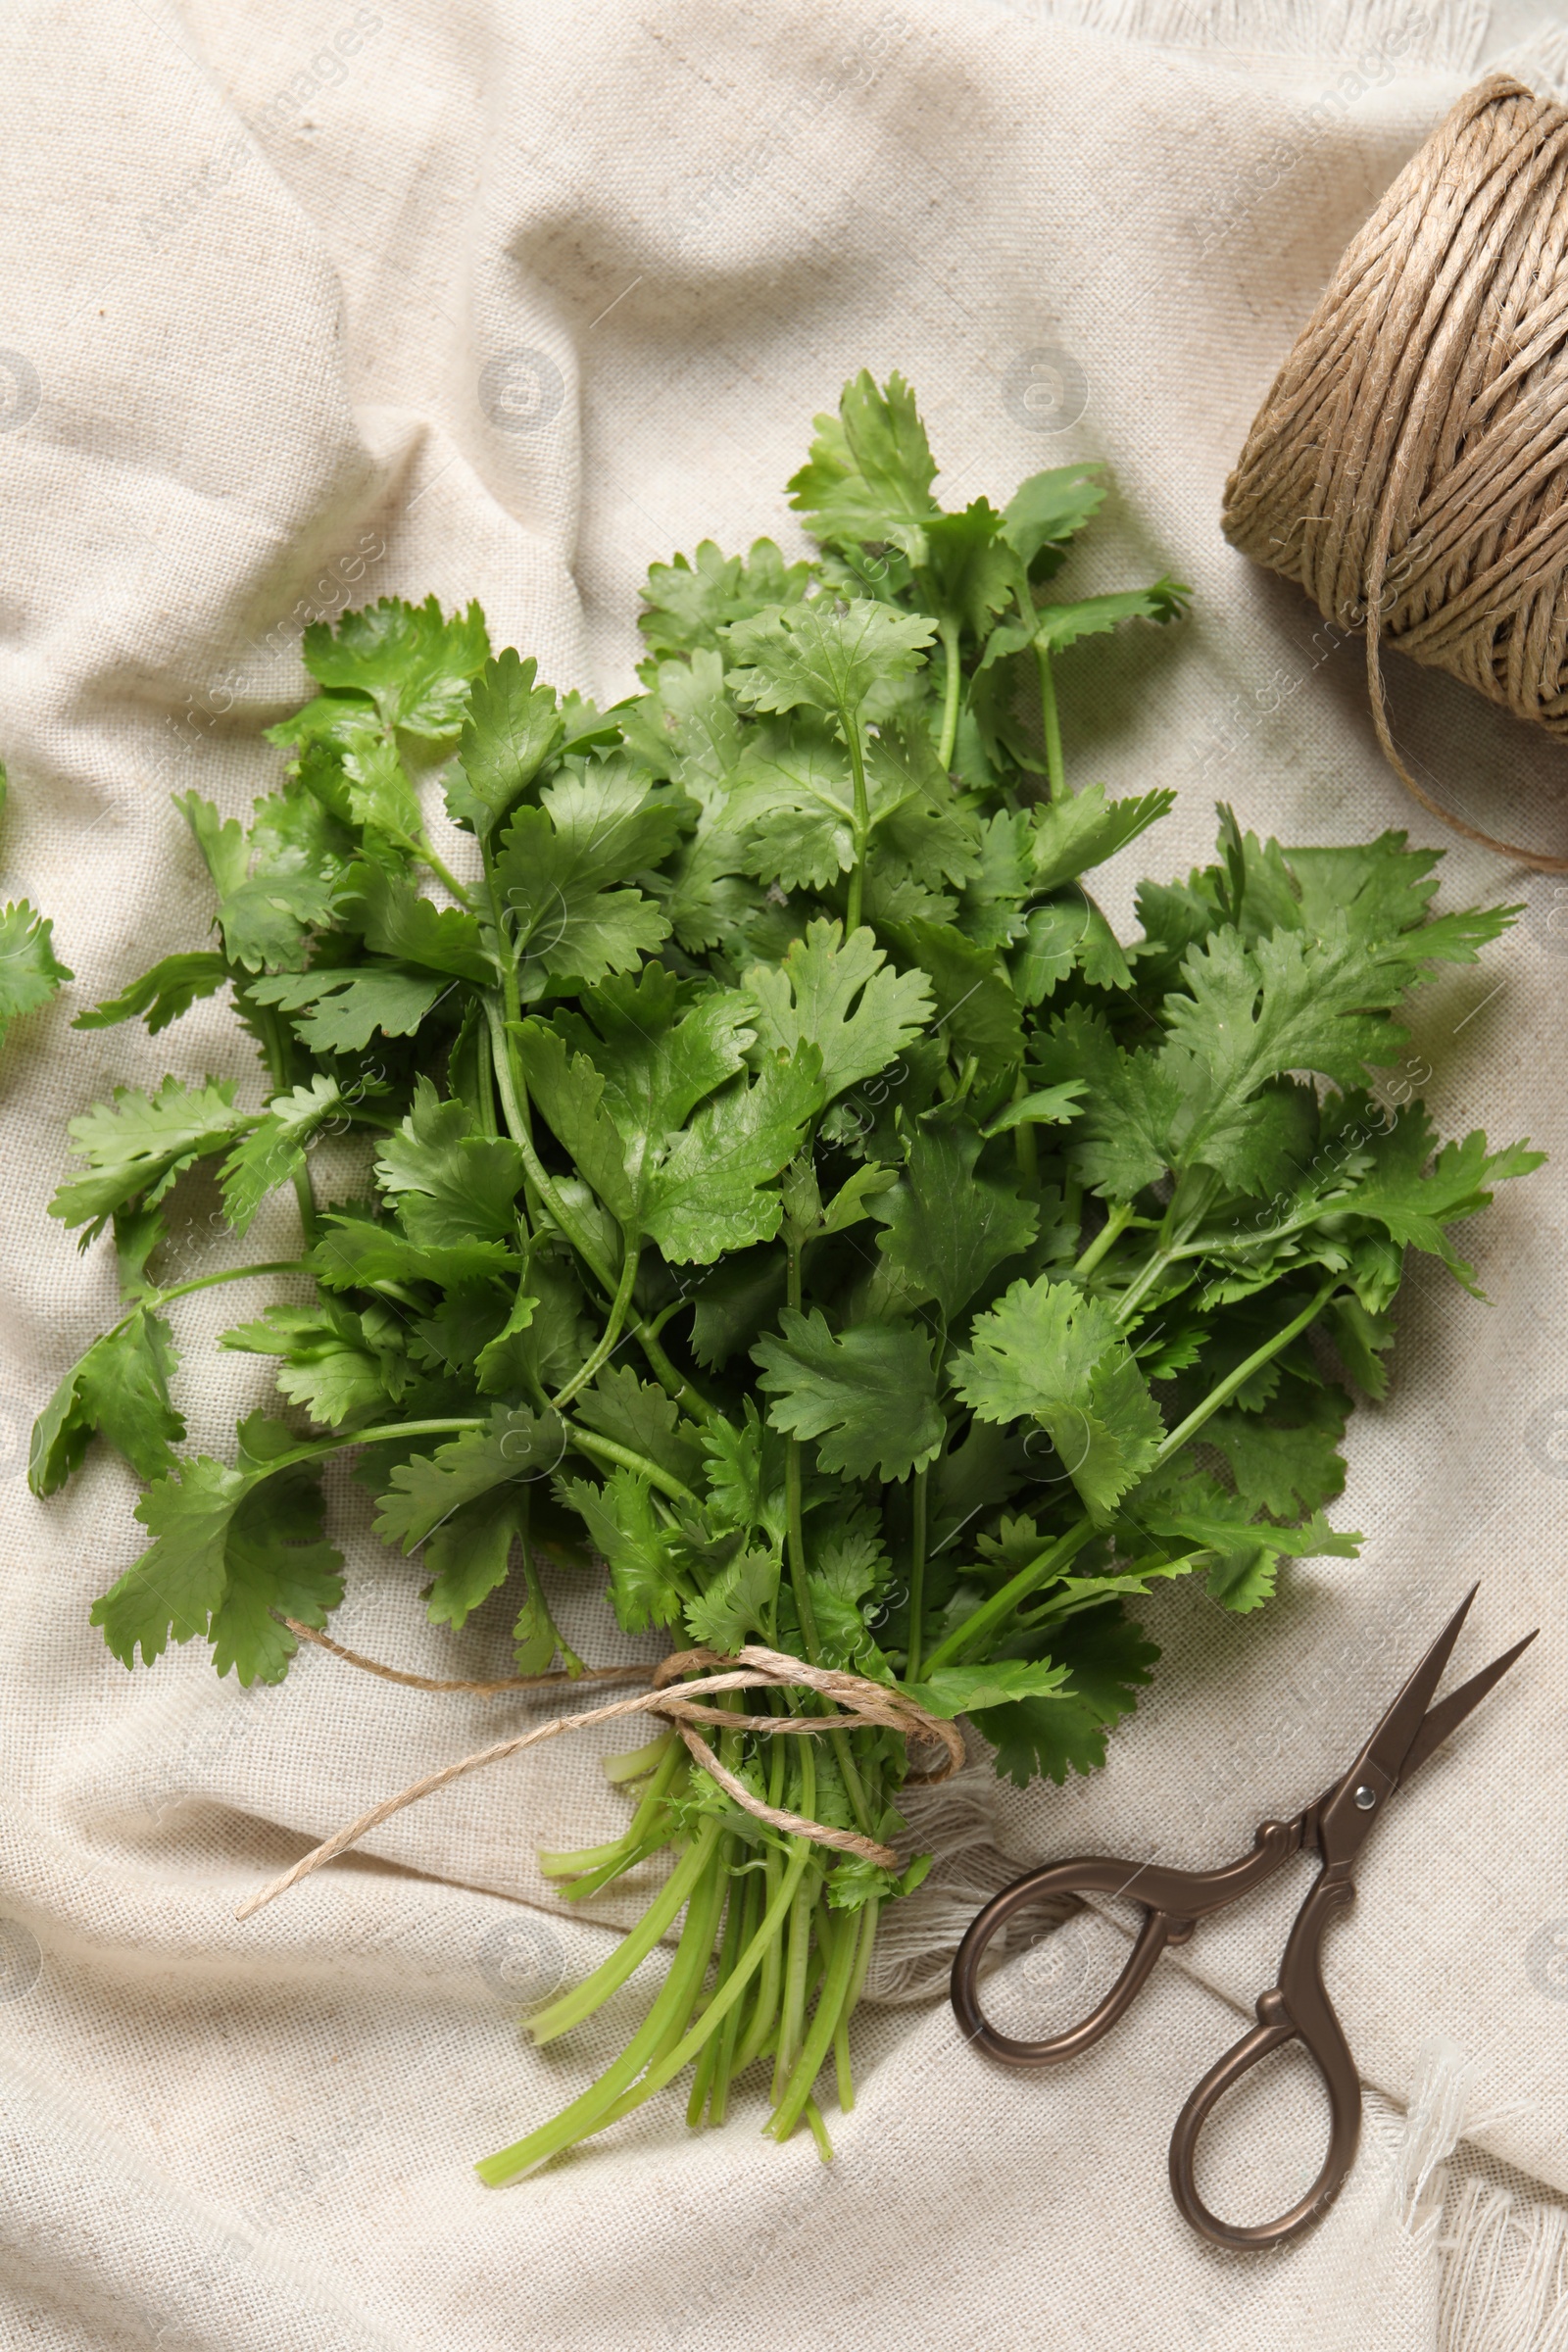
(1295, 2009)
(1173, 1899)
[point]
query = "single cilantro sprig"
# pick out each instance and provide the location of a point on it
(781, 1197)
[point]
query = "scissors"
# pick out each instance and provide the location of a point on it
(1297, 2008)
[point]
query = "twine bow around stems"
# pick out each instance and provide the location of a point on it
(752, 1669)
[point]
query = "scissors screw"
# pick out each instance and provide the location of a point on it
(1365, 1799)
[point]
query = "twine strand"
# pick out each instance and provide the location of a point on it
(753, 1669)
(1409, 467)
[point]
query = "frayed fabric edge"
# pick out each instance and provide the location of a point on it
(1383, 36)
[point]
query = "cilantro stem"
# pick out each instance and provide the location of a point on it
(794, 1526)
(609, 1977)
(911, 1670)
(511, 1001)
(836, 1981)
(443, 874)
(862, 821)
(730, 2026)
(797, 1958)
(610, 1450)
(638, 1830)
(1174, 1246)
(485, 1085)
(305, 1198)
(674, 1384)
(1222, 1394)
(728, 1993)
(765, 2008)
(947, 631)
(611, 1335)
(868, 1918)
(512, 1103)
(208, 1281)
(1040, 1570)
(1023, 1135)
(1105, 1240)
(591, 2111)
(1051, 726)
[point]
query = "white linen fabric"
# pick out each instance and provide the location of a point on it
(304, 305)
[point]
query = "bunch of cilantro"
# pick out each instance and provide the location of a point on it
(782, 1196)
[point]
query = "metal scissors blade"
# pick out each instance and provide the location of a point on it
(1410, 1730)
(1448, 1713)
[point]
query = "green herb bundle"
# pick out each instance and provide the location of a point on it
(787, 1193)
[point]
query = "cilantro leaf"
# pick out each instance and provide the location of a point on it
(275, 1146)
(178, 1581)
(380, 789)
(470, 1552)
(1047, 511)
(976, 1007)
(1108, 1661)
(1070, 836)
(849, 1568)
(353, 1249)
(590, 829)
(647, 1055)
(330, 1366)
(810, 996)
(642, 1553)
(451, 1184)
(868, 1395)
(968, 566)
(945, 1229)
(1059, 626)
(637, 1414)
(1246, 1015)
(966, 1690)
(120, 1388)
(689, 604)
(275, 1556)
(709, 1194)
(739, 1605)
(162, 994)
(275, 883)
(1413, 1207)
(397, 922)
(1284, 1467)
(346, 1006)
(871, 470)
(415, 666)
(515, 1447)
(137, 1144)
(1049, 1352)
(30, 969)
(814, 655)
(511, 729)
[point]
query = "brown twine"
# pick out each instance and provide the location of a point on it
(1411, 459)
(753, 1669)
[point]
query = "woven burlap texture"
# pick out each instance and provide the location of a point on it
(303, 306)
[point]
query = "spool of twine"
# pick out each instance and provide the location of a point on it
(1410, 467)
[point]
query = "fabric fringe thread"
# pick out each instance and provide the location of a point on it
(752, 1668)
(1345, 36)
(1410, 467)
(1505, 2276)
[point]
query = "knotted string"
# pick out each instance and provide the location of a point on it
(752, 1669)
(1410, 467)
